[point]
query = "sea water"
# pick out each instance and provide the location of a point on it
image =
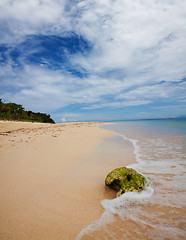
(159, 211)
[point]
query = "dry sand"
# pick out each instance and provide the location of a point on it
(52, 177)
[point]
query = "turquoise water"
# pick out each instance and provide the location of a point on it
(159, 212)
(154, 127)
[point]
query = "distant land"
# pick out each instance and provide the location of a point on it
(16, 112)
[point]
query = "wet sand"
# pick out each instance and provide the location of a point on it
(52, 177)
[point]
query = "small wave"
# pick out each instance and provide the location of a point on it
(105, 218)
(116, 206)
(127, 199)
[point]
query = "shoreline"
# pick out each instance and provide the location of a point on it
(52, 177)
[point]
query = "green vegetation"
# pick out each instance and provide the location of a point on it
(13, 111)
(125, 180)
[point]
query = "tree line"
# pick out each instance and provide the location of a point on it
(16, 112)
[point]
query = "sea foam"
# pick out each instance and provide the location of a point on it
(127, 199)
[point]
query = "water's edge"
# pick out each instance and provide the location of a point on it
(113, 206)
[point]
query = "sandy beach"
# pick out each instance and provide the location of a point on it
(52, 177)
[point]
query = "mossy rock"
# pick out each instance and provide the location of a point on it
(125, 180)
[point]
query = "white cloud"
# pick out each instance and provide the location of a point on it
(155, 92)
(136, 45)
(21, 18)
(63, 119)
(119, 104)
(71, 117)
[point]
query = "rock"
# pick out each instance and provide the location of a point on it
(125, 180)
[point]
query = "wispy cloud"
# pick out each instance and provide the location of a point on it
(92, 54)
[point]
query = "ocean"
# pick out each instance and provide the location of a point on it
(158, 212)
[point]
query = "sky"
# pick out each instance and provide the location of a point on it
(94, 60)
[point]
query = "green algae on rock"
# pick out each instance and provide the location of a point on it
(125, 180)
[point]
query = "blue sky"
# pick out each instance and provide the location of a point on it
(82, 60)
